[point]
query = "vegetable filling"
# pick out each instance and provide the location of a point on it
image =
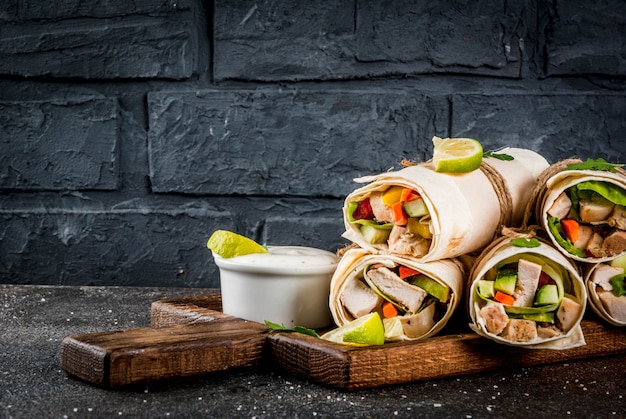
(526, 299)
(410, 302)
(397, 216)
(588, 220)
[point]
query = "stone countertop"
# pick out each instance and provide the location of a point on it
(35, 319)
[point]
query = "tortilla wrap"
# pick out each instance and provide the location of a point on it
(567, 311)
(465, 210)
(350, 274)
(603, 302)
(554, 182)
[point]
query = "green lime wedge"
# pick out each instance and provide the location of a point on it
(456, 155)
(364, 331)
(228, 244)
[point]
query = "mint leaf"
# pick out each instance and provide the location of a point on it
(591, 164)
(522, 242)
(499, 156)
(297, 329)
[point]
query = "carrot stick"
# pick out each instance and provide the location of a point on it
(405, 272)
(408, 195)
(570, 228)
(389, 310)
(504, 298)
(399, 214)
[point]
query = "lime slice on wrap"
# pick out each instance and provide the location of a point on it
(364, 331)
(456, 155)
(228, 244)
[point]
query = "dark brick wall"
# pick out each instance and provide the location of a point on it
(129, 131)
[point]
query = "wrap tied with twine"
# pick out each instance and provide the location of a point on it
(551, 183)
(504, 252)
(466, 210)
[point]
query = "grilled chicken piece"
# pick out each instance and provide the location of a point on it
(419, 324)
(603, 274)
(495, 318)
(615, 306)
(614, 243)
(568, 312)
(618, 218)
(584, 235)
(528, 274)
(561, 206)
(595, 210)
(547, 332)
(359, 299)
(594, 246)
(381, 211)
(395, 288)
(402, 242)
(519, 330)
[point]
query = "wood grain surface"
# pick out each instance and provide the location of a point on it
(191, 336)
(111, 359)
(447, 355)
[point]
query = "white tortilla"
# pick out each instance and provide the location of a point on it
(559, 183)
(352, 263)
(594, 299)
(465, 209)
(503, 250)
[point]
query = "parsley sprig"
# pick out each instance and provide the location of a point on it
(298, 329)
(591, 164)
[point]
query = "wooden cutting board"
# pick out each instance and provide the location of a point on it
(190, 336)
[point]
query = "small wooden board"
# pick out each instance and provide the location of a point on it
(214, 343)
(441, 356)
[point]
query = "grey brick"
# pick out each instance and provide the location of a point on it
(586, 40)
(297, 142)
(442, 36)
(339, 40)
(59, 145)
(557, 126)
(130, 47)
(66, 9)
(320, 232)
(135, 248)
(269, 40)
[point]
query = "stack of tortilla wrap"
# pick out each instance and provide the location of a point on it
(463, 211)
(543, 305)
(363, 282)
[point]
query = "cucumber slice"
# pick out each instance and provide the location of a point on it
(375, 235)
(432, 287)
(505, 281)
(416, 208)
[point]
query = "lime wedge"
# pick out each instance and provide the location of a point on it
(456, 155)
(228, 244)
(364, 331)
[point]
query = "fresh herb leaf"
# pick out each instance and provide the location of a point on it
(297, 329)
(499, 156)
(591, 164)
(522, 242)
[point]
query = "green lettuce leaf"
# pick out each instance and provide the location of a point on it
(609, 191)
(554, 225)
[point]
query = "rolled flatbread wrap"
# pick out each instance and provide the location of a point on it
(606, 288)
(415, 299)
(428, 215)
(527, 294)
(582, 211)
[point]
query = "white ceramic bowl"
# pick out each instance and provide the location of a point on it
(290, 285)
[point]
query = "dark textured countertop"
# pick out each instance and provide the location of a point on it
(35, 319)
